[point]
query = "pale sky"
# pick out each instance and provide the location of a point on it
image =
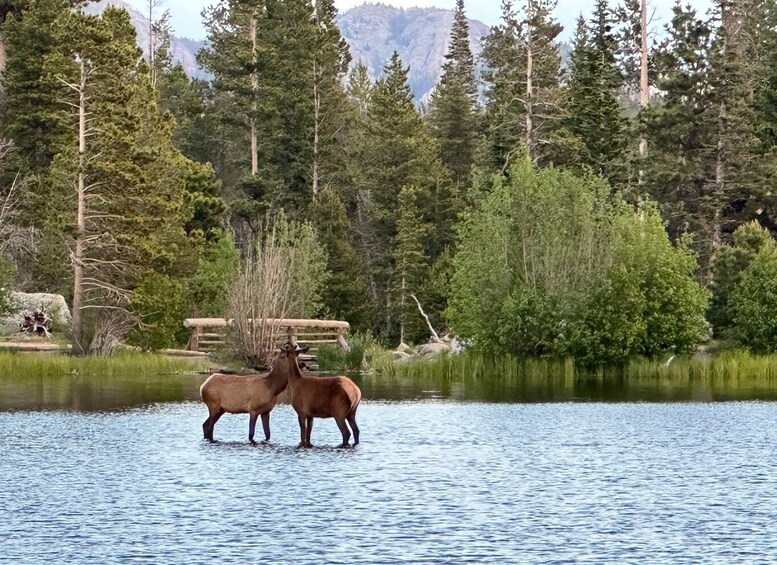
(187, 22)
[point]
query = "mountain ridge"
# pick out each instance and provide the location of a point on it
(372, 31)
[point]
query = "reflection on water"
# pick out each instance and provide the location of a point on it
(95, 393)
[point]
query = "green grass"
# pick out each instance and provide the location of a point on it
(334, 358)
(732, 365)
(19, 364)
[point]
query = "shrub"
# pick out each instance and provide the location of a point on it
(216, 270)
(754, 303)
(728, 265)
(550, 264)
(280, 277)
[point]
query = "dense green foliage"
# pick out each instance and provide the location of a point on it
(516, 210)
(549, 265)
(754, 302)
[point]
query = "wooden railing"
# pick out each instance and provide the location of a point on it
(309, 333)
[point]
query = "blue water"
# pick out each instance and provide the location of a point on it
(434, 481)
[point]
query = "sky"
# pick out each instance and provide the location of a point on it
(187, 22)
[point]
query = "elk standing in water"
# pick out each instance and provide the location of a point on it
(253, 394)
(323, 397)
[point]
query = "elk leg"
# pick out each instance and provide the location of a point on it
(354, 428)
(266, 425)
(252, 427)
(308, 429)
(343, 430)
(210, 422)
(302, 430)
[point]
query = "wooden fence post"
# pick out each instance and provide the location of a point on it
(194, 340)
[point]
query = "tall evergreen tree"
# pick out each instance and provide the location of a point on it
(523, 93)
(453, 109)
(396, 150)
(595, 115)
(243, 61)
(679, 128)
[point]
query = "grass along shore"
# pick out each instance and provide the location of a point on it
(18, 364)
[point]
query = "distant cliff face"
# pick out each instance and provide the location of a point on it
(373, 32)
(420, 36)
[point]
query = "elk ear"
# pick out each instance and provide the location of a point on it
(303, 349)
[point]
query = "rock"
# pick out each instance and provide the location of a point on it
(27, 303)
(432, 349)
(401, 355)
(403, 348)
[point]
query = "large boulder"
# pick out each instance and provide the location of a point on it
(433, 349)
(24, 303)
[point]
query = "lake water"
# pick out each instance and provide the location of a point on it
(118, 472)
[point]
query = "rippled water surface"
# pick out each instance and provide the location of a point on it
(434, 481)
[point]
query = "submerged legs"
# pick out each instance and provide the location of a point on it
(209, 423)
(354, 427)
(303, 431)
(266, 425)
(343, 430)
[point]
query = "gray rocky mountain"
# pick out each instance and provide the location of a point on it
(373, 31)
(420, 36)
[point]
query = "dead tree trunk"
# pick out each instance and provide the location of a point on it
(644, 92)
(78, 252)
(254, 91)
(316, 127)
(529, 84)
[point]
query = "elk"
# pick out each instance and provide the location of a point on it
(323, 397)
(252, 394)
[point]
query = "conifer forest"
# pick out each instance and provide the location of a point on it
(611, 204)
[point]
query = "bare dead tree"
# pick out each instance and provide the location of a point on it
(16, 241)
(260, 293)
(99, 262)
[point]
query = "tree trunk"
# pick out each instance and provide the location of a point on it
(254, 90)
(529, 85)
(644, 92)
(316, 126)
(78, 253)
(2, 52)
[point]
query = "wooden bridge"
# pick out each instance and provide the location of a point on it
(208, 333)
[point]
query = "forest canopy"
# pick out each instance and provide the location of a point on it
(614, 204)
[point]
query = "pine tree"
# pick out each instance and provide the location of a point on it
(742, 177)
(411, 265)
(31, 120)
(330, 65)
(679, 129)
(522, 56)
(122, 185)
(595, 116)
(241, 56)
(346, 294)
(396, 150)
(453, 108)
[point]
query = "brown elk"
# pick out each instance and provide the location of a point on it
(323, 397)
(252, 394)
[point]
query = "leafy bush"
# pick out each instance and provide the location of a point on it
(754, 302)
(217, 268)
(550, 264)
(334, 358)
(728, 265)
(648, 302)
